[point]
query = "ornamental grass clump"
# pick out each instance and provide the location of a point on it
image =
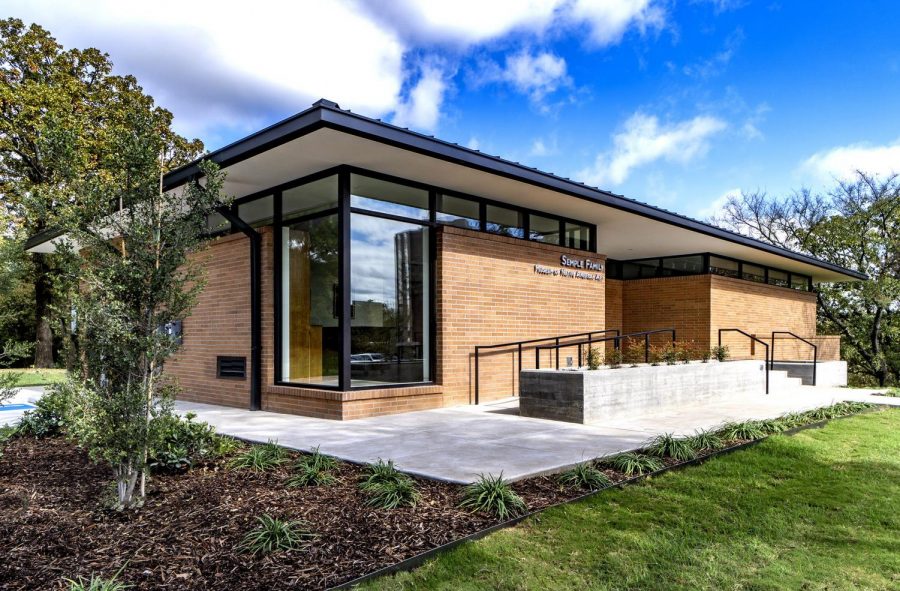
(707, 440)
(584, 476)
(493, 495)
(746, 430)
(633, 464)
(669, 446)
(387, 487)
(593, 358)
(314, 469)
(96, 583)
(276, 535)
(260, 458)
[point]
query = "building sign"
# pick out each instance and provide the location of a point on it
(580, 268)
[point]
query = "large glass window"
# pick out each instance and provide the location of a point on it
(310, 329)
(258, 212)
(459, 212)
(753, 273)
(779, 278)
(543, 229)
(578, 236)
(690, 265)
(501, 220)
(311, 198)
(386, 197)
(390, 317)
(724, 267)
(799, 281)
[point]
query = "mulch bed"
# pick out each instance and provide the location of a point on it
(54, 524)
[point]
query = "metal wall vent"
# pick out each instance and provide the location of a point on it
(231, 367)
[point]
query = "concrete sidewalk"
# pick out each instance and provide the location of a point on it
(457, 444)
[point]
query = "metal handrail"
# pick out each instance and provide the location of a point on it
(813, 345)
(617, 342)
(767, 363)
(519, 344)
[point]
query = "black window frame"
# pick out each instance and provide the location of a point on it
(616, 269)
(344, 210)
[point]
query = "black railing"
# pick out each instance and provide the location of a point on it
(520, 346)
(617, 343)
(815, 349)
(767, 364)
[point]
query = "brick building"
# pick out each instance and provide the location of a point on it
(362, 264)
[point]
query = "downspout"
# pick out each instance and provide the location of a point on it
(255, 305)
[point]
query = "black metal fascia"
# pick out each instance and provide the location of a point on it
(255, 304)
(325, 113)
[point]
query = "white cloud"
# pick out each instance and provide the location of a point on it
(541, 148)
(473, 143)
(644, 140)
(842, 162)
(715, 206)
(716, 64)
(229, 62)
(421, 109)
(535, 75)
(229, 67)
(608, 20)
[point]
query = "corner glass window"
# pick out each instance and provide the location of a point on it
(543, 229)
(799, 281)
(310, 333)
(386, 197)
(753, 273)
(577, 236)
(724, 267)
(390, 308)
(320, 195)
(459, 212)
(779, 278)
(258, 212)
(640, 269)
(508, 222)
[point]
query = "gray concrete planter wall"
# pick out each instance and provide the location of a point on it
(583, 396)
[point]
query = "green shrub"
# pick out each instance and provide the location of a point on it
(614, 359)
(493, 495)
(593, 358)
(584, 476)
(313, 470)
(260, 458)
(5, 434)
(180, 443)
(276, 535)
(720, 352)
(51, 413)
(746, 430)
(707, 439)
(387, 487)
(705, 355)
(667, 445)
(633, 464)
(669, 354)
(98, 584)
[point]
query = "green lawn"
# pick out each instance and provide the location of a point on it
(37, 377)
(818, 511)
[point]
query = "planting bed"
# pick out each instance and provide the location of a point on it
(53, 524)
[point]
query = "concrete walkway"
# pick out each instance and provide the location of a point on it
(457, 444)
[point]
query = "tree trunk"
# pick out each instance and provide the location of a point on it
(43, 344)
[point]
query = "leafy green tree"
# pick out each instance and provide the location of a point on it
(131, 274)
(59, 112)
(855, 225)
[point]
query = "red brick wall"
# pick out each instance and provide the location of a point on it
(219, 325)
(681, 303)
(488, 292)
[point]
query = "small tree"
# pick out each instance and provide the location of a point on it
(135, 277)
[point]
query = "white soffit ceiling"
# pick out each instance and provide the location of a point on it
(620, 234)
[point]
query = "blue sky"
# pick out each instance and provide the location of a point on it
(676, 103)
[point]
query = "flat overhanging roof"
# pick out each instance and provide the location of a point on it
(325, 136)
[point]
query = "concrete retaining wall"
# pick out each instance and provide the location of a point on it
(829, 374)
(588, 396)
